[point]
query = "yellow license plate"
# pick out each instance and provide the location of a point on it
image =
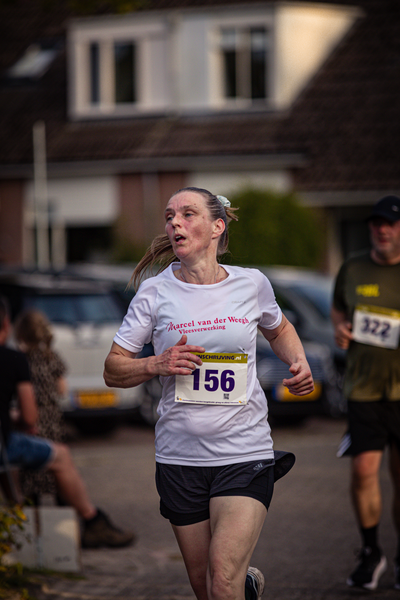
(92, 399)
(283, 394)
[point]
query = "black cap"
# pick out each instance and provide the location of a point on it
(387, 208)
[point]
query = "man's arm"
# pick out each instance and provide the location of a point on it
(343, 327)
(27, 407)
(287, 346)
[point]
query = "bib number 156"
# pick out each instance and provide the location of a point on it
(221, 379)
(213, 379)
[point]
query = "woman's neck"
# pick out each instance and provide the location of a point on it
(199, 275)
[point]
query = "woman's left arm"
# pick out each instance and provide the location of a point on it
(287, 346)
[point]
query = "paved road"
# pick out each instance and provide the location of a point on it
(306, 549)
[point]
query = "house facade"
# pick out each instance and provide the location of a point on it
(104, 116)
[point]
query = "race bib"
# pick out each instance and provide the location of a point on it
(221, 379)
(376, 326)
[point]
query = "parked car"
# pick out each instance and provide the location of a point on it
(305, 297)
(85, 316)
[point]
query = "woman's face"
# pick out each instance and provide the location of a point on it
(189, 227)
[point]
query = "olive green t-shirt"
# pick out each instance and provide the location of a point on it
(372, 372)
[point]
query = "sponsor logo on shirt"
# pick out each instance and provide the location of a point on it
(369, 290)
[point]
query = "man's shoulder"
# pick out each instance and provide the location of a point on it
(362, 256)
(11, 355)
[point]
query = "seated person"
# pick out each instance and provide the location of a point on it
(34, 452)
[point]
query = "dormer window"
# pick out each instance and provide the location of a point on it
(120, 77)
(118, 66)
(245, 62)
(235, 58)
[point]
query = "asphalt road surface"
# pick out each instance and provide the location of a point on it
(306, 549)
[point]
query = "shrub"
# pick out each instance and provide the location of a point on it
(274, 228)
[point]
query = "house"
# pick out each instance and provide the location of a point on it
(103, 116)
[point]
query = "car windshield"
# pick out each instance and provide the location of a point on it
(318, 294)
(77, 308)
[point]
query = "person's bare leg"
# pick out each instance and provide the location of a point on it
(217, 552)
(194, 543)
(394, 462)
(236, 523)
(70, 484)
(365, 488)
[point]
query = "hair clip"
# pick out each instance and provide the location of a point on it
(224, 201)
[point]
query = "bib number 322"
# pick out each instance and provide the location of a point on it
(376, 326)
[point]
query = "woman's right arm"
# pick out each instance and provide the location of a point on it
(123, 369)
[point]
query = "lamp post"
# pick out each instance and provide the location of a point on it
(41, 208)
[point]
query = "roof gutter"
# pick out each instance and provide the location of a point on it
(143, 165)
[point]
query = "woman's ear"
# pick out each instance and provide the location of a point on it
(219, 227)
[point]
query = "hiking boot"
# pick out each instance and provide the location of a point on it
(99, 532)
(371, 566)
(254, 584)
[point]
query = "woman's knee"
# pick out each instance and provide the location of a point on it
(221, 587)
(224, 582)
(61, 456)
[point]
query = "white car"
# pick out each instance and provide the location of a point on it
(85, 316)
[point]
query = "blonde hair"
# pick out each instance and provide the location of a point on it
(33, 329)
(160, 251)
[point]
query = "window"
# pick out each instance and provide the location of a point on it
(94, 73)
(124, 88)
(124, 60)
(35, 61)
(245, 64)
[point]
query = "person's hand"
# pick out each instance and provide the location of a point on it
(178, 359)
(302, 381)
(343, 334)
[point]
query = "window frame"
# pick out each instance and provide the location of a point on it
(86, 33)
(241, 53)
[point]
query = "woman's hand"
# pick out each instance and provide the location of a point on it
(123, 370)
(287, 346)
(302, 382)
(178, 359)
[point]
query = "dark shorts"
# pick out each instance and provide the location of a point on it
(371, 426)
(29, 451)
(185, 491)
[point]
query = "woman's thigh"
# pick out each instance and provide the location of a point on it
(236, 523)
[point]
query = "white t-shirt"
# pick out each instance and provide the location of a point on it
(222, 317)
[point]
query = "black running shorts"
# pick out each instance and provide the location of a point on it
(185, 491)
(371, 426)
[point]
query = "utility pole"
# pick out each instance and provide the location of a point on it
(41, 202)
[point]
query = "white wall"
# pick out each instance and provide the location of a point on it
(305, 35)
(80, 201)
(228, 182)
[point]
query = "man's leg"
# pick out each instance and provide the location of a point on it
(70, 484)
(394, 461)
(367, 503)
(365, 488)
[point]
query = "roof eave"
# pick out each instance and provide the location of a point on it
(228, 162)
